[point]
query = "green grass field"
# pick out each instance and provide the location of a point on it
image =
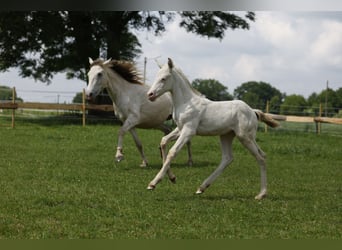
(61, 182)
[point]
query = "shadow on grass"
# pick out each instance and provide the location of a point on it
(179, 164)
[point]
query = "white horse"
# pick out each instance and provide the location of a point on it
(196, 115)
(130, 102)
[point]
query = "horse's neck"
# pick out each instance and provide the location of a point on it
(116, 86)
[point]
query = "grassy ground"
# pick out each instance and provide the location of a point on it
(60, 181)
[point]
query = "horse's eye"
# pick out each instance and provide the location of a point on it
(163, 79)
(99, 74)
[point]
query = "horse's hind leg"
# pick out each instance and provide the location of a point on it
(260, 156)
(227, 158)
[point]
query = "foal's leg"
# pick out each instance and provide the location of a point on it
(139, 147)
(184, 137)
(171, 136)
(260, 156)
(227, 158)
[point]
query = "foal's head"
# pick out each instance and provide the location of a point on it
(163, 81)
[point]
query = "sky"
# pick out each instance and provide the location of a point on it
(296, 52)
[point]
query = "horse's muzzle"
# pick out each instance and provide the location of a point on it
(151, 96)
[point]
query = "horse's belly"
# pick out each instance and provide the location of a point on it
(213, 129)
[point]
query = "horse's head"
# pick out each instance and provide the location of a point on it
(163, 81)
(97, 78)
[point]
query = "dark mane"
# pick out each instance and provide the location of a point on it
(125, 69)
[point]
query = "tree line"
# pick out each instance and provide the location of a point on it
(258, 94)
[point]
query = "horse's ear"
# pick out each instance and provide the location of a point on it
(170, 63)
(90, 60)
(107, 61)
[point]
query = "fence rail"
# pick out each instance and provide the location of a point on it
(84, 107)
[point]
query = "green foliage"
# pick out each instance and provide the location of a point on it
(256, 94)
(293, 105)
(334, 101)
(213, 23)
(64, 184)
(212, 89)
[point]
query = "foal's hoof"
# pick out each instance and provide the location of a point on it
(260, 196)
(119, 158)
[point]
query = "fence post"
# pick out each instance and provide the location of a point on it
(319, 125)
(13, 110)
(83, 109)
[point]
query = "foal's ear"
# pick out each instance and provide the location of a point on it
(90, 60)
(170, 63)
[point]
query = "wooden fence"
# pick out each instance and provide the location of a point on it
(83, 107)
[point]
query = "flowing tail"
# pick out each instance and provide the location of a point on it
(266, 118)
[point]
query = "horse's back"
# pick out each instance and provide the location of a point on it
(222, 117)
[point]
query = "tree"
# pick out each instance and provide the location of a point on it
(61, 41)
(334, 101)
(78, 98)
(293, 105)
(6, 93)
(212, 89)
(256, 94)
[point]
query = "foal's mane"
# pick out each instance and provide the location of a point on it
(179, 71)
(125, 69)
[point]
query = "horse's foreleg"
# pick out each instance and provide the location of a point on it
(182, 139)
(139, 147)
(128, 125)
(227, 158)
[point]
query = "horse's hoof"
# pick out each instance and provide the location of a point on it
(199, 191)
(143, 164)
(190, 163)
(151, 187)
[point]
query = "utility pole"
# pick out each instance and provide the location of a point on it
(145, 62)
(326, 101)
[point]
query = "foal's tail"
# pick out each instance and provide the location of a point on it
(266, 118)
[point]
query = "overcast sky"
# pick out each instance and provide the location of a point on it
(296, 52)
